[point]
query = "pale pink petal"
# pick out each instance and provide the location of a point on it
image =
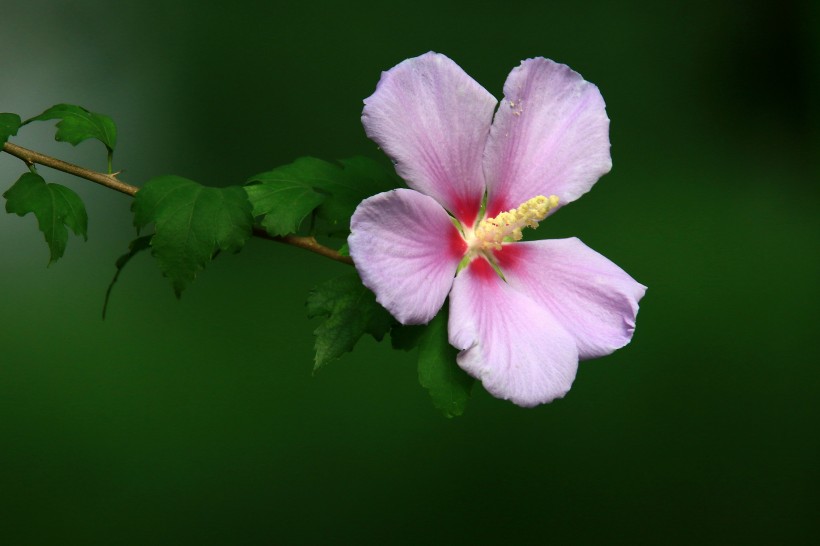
(406, 251)
(432, 119)
(512, 345)
(550, 137)
(594, 300)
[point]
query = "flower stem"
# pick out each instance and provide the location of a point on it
(30, 158)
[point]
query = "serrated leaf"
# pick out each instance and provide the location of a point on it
(134, 247)
(9, 124)
(287, 194)
(449, 386)
(55, 207)
(360, 177)
(351, 310)
(191, 223)
(78, 124)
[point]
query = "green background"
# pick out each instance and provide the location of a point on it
(198, 421)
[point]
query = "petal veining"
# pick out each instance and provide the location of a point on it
(550, 136)
(406, 250)
(433, 120)
(594, 300)
(512, 345)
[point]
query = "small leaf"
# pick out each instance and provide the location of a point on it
(134, 247)
(78, 124)
(287, 194)
(351, 310)
(9, 124)
(56, 207)
(191, 224)
(344, 250)
(359, 178)
(449, 386)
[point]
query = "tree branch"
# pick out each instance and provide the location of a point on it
(307, 243)
(30, 157)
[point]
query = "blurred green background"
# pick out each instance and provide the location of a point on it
(198, 421)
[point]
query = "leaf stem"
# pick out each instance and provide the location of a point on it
(30, 158)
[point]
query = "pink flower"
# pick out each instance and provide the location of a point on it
(522, 314)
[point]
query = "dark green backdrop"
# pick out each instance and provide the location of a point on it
(197, 421)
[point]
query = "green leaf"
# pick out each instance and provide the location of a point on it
(191, 224)
(449, 386)
(287, 194)
(78, 124)
(134, 247)
(9, 123)
(55, 207)
(351, 310)
(360, 177)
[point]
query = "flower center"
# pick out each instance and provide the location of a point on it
(506, 227)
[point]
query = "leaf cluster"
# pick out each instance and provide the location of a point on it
(351, 311)
(192, 224)
(56, 207)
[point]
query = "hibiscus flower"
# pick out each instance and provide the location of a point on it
(522, 314)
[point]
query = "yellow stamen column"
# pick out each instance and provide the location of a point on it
(507, 226)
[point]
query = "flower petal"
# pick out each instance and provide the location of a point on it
(514, 347)
(432, 119)
(406, 250)
(594, 300)
(550, 137)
